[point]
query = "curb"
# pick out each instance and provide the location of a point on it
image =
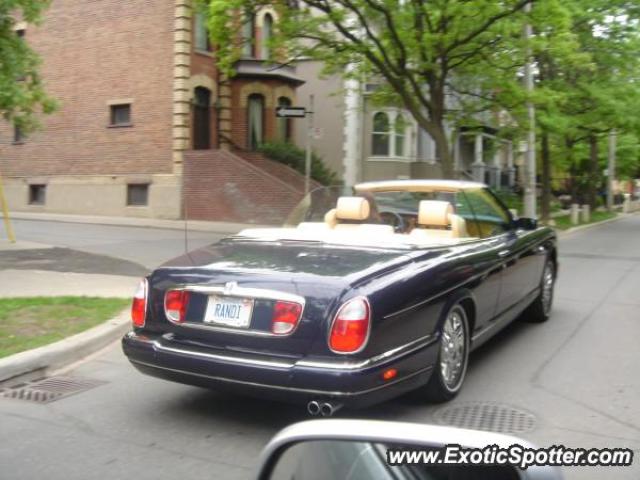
(63, 352)
(579, 228)
(140, 222)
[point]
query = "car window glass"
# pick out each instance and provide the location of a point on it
(490, 217)
(321, 460)
(463, 209)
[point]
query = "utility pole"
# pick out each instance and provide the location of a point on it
(307, 163)
(5, 214)
(611, 168)
(530, 188)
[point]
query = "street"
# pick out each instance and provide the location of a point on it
(576, 376)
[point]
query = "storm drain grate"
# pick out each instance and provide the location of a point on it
(50, 389)
(488, 416)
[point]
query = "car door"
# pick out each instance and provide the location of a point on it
(485, 260)
(493, 222)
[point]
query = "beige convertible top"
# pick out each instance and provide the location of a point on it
(418, 186)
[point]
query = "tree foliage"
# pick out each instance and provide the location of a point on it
(460, 62)
(445, 61)
(22, 94)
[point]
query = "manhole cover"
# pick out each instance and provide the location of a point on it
(492, 417)
(50, 389)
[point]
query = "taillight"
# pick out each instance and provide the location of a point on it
(285, 317)
(175, 305)
(139, 305)
(350, 328)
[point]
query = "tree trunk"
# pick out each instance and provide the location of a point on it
(573, 171)
(593, 171)
(546, 177)
(444, 152)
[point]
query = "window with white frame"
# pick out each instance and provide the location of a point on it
(390, 135)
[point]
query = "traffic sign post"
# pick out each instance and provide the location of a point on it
(284, 111)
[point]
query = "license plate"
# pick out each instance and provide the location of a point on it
(229, 311)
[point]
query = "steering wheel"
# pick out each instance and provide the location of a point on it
(393, 219)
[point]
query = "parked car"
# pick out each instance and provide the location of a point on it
(361, 298)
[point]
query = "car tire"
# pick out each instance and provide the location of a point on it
(540, 310)
(448, 373)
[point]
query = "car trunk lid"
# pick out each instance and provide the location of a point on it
(260, 274)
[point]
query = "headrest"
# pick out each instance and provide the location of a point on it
(434, 213)
(352, 208)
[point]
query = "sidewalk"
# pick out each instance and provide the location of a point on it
(27, 282)
(192, 225)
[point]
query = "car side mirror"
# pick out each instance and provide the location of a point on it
(524, 223)
(321, 449)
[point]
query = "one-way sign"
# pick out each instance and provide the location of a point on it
(286, 112)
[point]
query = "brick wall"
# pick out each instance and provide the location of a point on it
(283, 172)
(219, 185)
(95, 52)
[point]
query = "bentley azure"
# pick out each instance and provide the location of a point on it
(365, 294)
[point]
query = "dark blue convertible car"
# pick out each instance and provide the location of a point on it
(363, 296)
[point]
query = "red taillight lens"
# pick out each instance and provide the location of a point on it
(351, 326)
(285, 317)
(139, 305)
(176, 303)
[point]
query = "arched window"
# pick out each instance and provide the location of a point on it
(400, 131)
(201, 118)
(380, 139)
(248, 35)
(267, 30)
(255, 115)
(284, 124)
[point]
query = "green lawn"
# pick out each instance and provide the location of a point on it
(27, 323)
(564, 222)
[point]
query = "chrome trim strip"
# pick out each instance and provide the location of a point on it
(288, 389)
(373, 361)
(225, 358)
(231, 289)
(405, 349)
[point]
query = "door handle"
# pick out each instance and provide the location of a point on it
(504, 253)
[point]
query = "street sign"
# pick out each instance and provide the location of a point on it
(289, 112)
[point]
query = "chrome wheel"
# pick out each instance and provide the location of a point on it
(547, 288)
(453, 349)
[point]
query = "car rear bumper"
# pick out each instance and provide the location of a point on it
(355, 383)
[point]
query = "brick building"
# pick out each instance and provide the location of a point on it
(147, 126)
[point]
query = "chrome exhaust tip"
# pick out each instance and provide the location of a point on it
(313, 408)
(328, 409)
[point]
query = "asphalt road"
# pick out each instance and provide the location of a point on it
(145, 246)
(577, 376)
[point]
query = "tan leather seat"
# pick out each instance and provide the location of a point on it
(437, 220)
(351, 213)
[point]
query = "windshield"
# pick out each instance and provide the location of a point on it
(384, 206)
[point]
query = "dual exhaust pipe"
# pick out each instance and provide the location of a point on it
(326, 409)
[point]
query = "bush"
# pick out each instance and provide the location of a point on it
(294, 157)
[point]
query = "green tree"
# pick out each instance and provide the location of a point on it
(583, 96)
(22, 95)
(443, 60)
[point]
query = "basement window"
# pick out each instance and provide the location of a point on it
(37, 194)
(137, 194)
(120, 115)
(18, 135)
